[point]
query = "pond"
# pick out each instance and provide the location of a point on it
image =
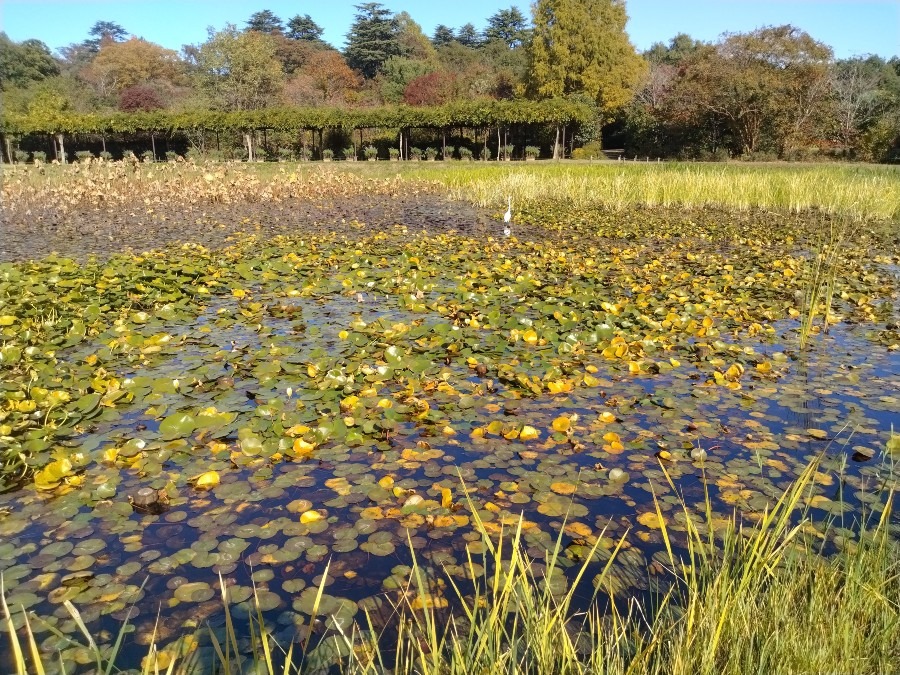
(344, 399)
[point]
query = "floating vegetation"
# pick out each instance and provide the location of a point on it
(297, 412)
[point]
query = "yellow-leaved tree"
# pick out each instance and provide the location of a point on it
(580, 47)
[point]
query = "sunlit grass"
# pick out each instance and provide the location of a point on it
(858, 192)
(738, 599)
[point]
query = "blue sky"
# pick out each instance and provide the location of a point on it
(849, 26)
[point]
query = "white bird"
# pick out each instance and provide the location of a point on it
(507, 217)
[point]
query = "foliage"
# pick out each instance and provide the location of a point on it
(436, 88)
(302, 27)
(238, 70)
(48, 117)
(140, 98)
(24, 62)
(373, 39)
(508, 26)
(324, 79)
(265, 21)
(134, 62)
(581, 46)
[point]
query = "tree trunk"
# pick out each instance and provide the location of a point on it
(556, 145)
(498, 144)
(360, 140)
(6, 144)
(564, 142)
(62, 148)
(443, 145)
(103, 140)
(153, 145)
(248, 141)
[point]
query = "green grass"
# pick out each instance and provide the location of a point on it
(741, 599)
(854, 191)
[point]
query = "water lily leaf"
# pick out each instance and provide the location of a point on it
(177, 425)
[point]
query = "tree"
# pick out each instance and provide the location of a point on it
(140, 97)
(304, 28)
(581, 46)
(121, 65)
(771, 83)
(324, 79)
(858, 98)
(434, 88)
(468, 36)
(443, 35)
(265, 21)
(294, 54)
(372, 39)
(679, 47)
(397, 73)
(413, 42)
(104, 31)
(24, 63)
(509, 26)
(239, 70)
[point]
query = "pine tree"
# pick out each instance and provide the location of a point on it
(509, 26)
(443, 35)
(304, 28)
(372, 39)
(580, 46)
(265, 21)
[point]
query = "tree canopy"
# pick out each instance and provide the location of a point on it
(373, 39)
(580, 46)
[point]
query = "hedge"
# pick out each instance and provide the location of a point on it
(471, 114)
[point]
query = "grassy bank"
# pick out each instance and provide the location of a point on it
(738, 599)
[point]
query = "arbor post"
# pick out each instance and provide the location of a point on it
(62, 148)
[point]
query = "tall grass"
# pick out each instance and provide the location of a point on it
(736, 599)
(857, 192)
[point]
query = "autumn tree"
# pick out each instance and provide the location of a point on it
(434, 88)
(140, 97)
(581, 46)
(265, 21)
(324, 79)
(121, 65)
(372, 39)
(239, 70)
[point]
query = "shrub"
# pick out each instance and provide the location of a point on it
(39, 156)
(532, 151)
(304, 154)
(327, 154)
(589, 150)
(507, 151)
(350, 153)
(21, 156)
(84, 156)
(371, 152)
(449, 152)
(285, 154)
(148, 156)
(171, 156)
(105, 155)
(431, 153)
(415, 153)
(465, 154)
(394, 153)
